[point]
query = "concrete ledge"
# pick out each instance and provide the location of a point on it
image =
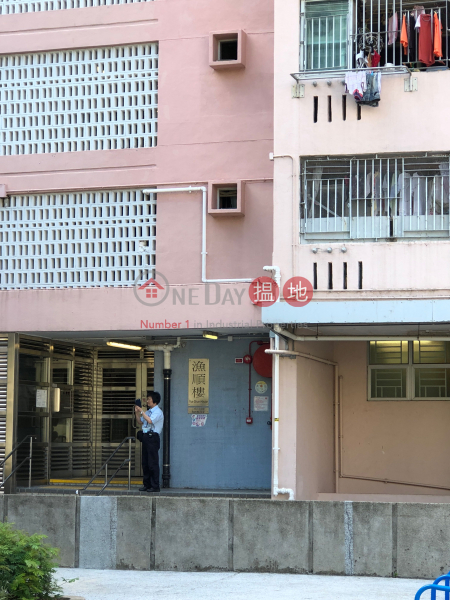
(329, 538)
(53, 516)
(270, 536)
(98, 527)
(134, 533)
(196, 534)
(191, 534)
(423, 540)
(372, 539)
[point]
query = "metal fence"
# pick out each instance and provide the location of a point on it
(335, 33)
(371, 197)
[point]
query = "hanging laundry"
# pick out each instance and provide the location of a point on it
(437, 37)
(393, 29)
(412, 37)
(356, 82)
(376, 59)
(418, 10)
(372, 95)
(425, 41)
(404, 36)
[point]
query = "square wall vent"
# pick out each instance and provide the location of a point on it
(227, 50)
(226, 199)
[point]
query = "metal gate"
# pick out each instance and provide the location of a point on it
(119, 384)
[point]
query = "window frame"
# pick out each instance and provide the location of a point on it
(303, 54)
(410, 368)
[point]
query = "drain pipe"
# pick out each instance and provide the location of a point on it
(204, 190)
(276, 422)
(167, 373)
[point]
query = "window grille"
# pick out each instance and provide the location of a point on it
(80, 239)
(423, 376)
(374, 197)
(8, 7)
(76, 100)
(334, 32)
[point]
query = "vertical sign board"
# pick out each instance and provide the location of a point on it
(198, 399)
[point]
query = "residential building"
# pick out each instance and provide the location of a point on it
(136, 208)
(361, 210)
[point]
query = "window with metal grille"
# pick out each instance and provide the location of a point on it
(400, 370)
(8, 7)
(334, 33)
(375, 197)
(80, 239)
(76, 100)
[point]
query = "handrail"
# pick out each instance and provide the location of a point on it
(436, 588)
(105, 466)
(29, 458)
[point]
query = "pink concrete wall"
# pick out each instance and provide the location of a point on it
(212, 125)
(390, 269)
(401, 441)
(117, 309)
(315, 424)
(306, 458)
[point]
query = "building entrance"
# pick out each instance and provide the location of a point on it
(78, 403)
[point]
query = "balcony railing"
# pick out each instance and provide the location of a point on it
(338, 35)
(374, 197)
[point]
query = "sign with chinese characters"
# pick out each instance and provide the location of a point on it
(41, 398)
(260, 403)
(198, 399)
(263, 291)
(198, 420)
(298, 291)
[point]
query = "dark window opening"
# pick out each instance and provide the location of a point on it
(315, 276)
(330, 276)
(358, 112)
(330, 111)
(345, 276)
(344, 107)
(360, 276)
(316, 108)
(228, 50)
(227, 198)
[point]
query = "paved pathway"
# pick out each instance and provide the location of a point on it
(129, 585)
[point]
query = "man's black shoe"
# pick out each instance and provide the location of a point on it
(143, 489)
(153, 490)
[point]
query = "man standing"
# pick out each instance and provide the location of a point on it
(152, 423)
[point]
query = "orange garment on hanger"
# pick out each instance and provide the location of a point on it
(404, 36)
(437, 37)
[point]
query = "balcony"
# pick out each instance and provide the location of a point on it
(375, 197)
(342, 35)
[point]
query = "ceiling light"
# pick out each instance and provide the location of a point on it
(124, 345)
(210, 335)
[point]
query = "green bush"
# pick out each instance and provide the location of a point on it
(27, 566)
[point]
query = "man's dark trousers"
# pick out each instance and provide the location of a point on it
(150, 460)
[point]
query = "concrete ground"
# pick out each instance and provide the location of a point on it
(165, 585)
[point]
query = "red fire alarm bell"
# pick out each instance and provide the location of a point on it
(249, 420)
(247, 359)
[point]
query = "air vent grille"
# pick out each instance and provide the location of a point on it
(118, 403)
(33, 343)
(83, 374)
(82, 430)
(82, 401)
